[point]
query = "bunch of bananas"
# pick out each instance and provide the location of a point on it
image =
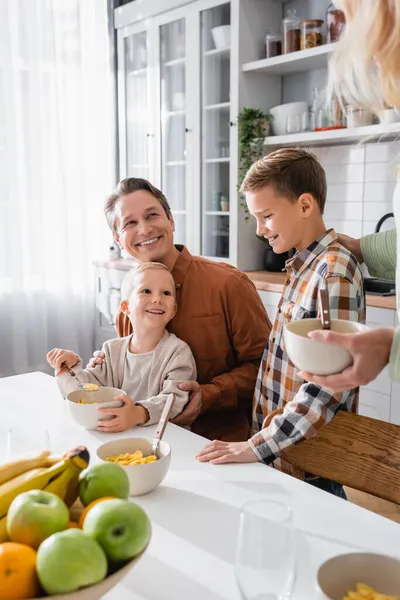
(44, 471)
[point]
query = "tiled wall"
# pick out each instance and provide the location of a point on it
(361, 181)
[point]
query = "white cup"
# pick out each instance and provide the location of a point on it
(390, 115)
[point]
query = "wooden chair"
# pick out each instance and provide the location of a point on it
(356, 451)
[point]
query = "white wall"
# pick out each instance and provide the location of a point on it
(361, 180)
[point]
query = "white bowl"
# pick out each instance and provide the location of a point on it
(97, 591)
(221, 37)
(142, 478)
(281, 112)
(338, 574)
(87, 415)
(390, 115)
(316, 357)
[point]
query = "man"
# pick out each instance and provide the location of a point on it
(220, 314)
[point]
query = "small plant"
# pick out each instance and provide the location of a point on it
(253, 126)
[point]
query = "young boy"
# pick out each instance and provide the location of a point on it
(149, 364)
(286, 193)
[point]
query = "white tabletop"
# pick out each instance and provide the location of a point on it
(195, 511)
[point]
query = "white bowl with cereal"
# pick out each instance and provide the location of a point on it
(359, 576)
(83, 405)
(134, 455)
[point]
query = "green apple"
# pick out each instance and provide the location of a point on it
(68, 561)
(106, 479)
(35, 515)
(121, 528)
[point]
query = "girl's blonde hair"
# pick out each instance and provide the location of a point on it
(365, 69)
(128, 282)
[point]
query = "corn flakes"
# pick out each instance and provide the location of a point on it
(365, 592)
(129, 459)
(90, 387)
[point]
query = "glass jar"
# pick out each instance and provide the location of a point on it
(311, 33)
(273, 45)
(335, 23)
(290, 32)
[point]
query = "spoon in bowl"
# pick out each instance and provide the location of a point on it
(162, 424)
(86, 387)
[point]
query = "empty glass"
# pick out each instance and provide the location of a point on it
(265, 559)
(26, 439)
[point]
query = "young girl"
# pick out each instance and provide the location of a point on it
(149, 364)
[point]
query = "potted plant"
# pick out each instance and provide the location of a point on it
(253, 126)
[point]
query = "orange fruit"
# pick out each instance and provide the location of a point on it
(73, 525)
(89, 506)
(18, 577)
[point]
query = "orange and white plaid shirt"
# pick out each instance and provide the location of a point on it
(286, 409)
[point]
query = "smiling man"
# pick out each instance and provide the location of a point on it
(220, 314)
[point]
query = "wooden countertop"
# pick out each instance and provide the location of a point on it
(263, 280)
(273, 282)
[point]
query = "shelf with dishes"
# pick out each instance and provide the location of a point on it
(294, 62)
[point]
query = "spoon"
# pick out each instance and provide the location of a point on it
(79, 385)
(162, 424)
(324, 309)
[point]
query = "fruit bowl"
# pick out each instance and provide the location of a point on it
(142, 478)
(98, 590)
(87, 415)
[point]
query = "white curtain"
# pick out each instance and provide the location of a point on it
(56, 166)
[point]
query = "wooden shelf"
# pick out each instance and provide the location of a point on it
(336, 136)
(295, 62)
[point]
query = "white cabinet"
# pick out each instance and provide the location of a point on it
(180, 90)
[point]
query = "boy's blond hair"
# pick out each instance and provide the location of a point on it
(291, 172)
(128, 282)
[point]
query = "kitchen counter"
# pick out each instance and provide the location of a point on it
(273, 282)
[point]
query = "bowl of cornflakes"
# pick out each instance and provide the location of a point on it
(83, 404)
(359, 576)
(145, 471)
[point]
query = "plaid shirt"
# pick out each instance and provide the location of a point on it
(285, 409)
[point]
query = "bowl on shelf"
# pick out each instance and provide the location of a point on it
(316, 357)
(281, 113)
(342, 573)
(221, 37)
(142, 478)
(86, 414)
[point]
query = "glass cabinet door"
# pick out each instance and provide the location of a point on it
(136, 105)
(215, 127)
(173, 122)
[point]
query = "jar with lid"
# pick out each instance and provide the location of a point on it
(273, 44)
(335, 23)
(290, 32)
(311, 33)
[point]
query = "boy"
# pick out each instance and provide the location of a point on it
(149, 364)
(286, 193)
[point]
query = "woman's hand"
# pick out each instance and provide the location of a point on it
(218, 453)
(353, 245)
(370, 351)
(125, 417)
(57, 356)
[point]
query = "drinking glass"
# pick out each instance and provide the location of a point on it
(293, 124)
(265, 559)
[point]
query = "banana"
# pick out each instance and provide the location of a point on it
(25, 463)
(3, 530)
(66, 485)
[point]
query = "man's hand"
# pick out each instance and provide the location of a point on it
(370, 351)
(353, 245)
(97, 359)
(193, 408)
(57, 356)
(218, 453)
(125, 417)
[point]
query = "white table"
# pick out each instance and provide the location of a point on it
(195, 512)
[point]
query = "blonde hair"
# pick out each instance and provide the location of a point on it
(365, 69)
(128, 283)
(291, 172)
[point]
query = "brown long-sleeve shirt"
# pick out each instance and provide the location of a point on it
(222, 319)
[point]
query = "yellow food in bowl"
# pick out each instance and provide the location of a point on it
(365, 592)
(90, 387)
(83, 401)
(129, 459)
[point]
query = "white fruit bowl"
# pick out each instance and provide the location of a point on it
(97, 591)
(316, 357)
(87, 415)
(142, 478)
(341, 573)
